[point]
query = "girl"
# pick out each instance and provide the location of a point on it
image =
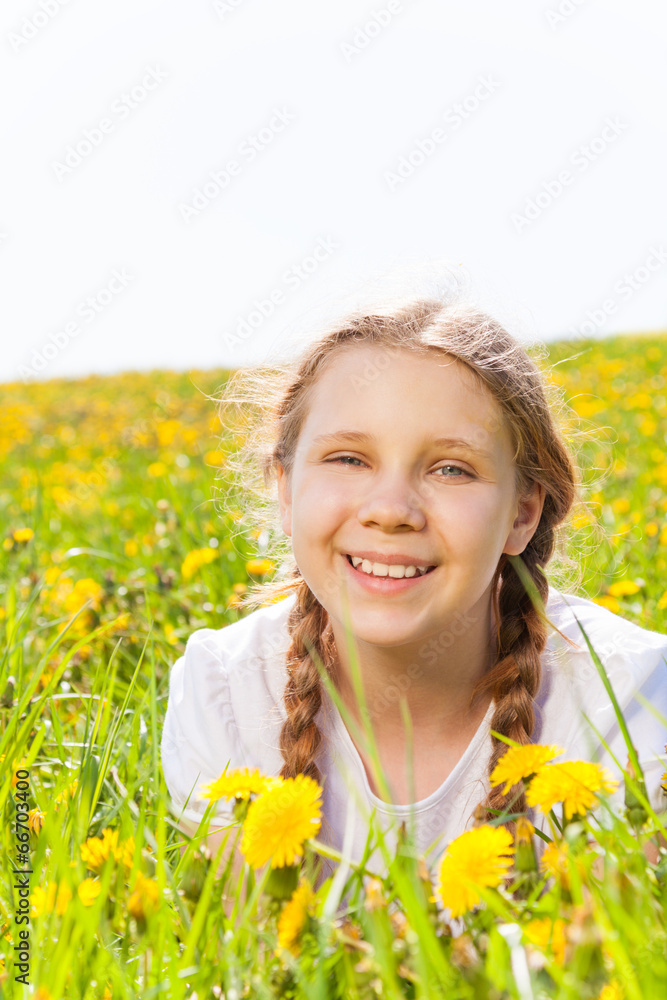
(416, 457)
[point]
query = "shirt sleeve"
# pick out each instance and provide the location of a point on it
(199, 735)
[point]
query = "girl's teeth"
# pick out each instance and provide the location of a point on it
(382, 569)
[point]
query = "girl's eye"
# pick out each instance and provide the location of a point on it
(344, 458)
(456, 468)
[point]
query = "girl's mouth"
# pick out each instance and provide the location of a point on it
(386, 584)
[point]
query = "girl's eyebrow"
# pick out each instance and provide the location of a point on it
(447, 442)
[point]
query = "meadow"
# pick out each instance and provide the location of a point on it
(113, 552)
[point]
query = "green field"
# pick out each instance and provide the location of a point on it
(114, 551)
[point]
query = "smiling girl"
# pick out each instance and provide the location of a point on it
(414, 456)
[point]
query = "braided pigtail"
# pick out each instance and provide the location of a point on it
(300, 737)
(514, 681)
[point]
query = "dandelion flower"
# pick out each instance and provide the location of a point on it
(294, 916)
(144, 899)
(280, 820)
(88, 891)
(575, 783)
(53, 896)
(612, 991)
(195, 560)
(546, 934)
(259, 567)
(96, 850)
(83, 591)
(477, 858)
(22, 534)
(520, 763)
(623, 588)
(35, 820)
(238, 784)
(554, 862)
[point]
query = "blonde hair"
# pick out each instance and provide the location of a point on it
(265, 409)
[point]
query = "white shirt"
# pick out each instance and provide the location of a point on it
(226, 703)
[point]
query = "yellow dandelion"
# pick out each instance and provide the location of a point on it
(605, 601)
(131, 547)
(623, 588)
(238, 784)
(554, 862)
(547, 935)
(480, 857)
(294, 916)
(35, 820)
(156, 470)
(662, 603)
(144, 899)
(652, 529)
(83, 591)
(519, 763)
(23, 534)
(612, 991)
(88, 891)
(575, 783)
(280, 820)
(621, 506)
(170, 634)
(53, 896)
(259, 567)
(195, 560)
(96, 850)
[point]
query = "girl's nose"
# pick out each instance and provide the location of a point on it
(392, 507)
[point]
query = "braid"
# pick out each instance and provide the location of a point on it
(515, 679)
(300, 737)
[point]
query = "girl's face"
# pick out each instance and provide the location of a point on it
(403, 463)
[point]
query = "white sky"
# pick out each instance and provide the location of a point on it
(221, 71)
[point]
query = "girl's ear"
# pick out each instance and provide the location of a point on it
(285, 500)
(526, 521)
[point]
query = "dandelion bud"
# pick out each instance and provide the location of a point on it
(282, 882)
(634, 810)
(524, 857)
